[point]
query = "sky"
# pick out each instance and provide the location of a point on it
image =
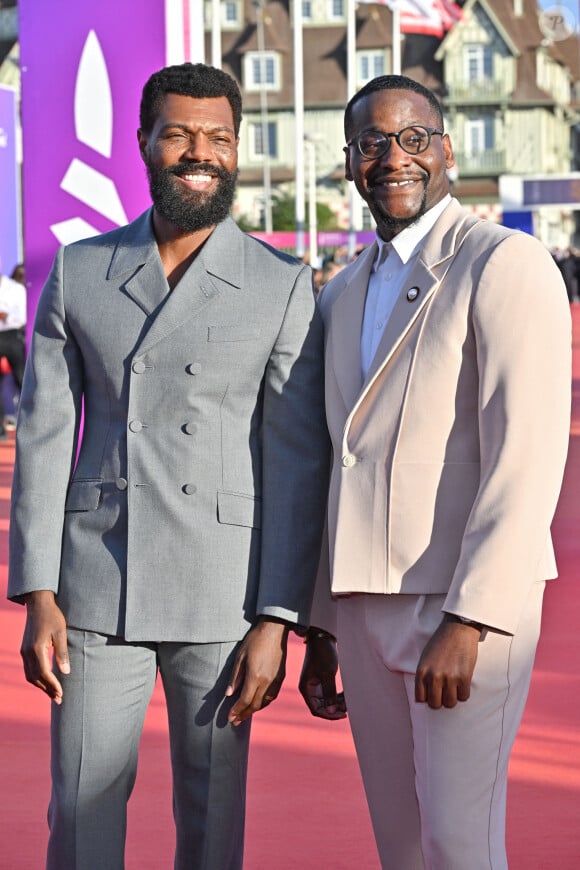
(570, 10)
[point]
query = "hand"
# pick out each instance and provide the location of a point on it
(446, 665)
(259, 669)
(44, 631)
(318, 679)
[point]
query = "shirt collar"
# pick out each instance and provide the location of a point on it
(408, 240)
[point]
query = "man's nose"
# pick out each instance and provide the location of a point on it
(200, 148)
(395, 156)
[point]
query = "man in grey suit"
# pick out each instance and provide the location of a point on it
(185, 537)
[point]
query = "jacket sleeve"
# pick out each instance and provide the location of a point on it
(295, 460)
(522, 326)
(47, 433)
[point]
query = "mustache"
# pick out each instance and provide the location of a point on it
(189, 168)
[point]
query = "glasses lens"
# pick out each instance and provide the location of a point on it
(414, 140)
(373, 144)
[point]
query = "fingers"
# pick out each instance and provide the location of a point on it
(322, 699)
(250, 702)
(441, 692)
(236, 676)
(38, 672)
(446, 666)
(45, 635)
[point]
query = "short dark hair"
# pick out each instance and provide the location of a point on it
(391, 83)
(195, 80)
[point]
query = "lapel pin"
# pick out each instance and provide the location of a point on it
(412, 294)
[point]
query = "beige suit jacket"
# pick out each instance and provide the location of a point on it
(448, 458)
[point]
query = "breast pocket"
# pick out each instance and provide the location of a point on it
(233, 332)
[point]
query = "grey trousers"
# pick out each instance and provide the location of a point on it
(94, 743)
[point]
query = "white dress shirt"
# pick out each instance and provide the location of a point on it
(389, 275)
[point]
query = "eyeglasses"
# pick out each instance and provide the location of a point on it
(413, 140)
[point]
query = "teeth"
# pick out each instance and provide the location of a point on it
(197, 179)
(399, 183)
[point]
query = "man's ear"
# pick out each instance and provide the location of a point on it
(448, 151)
(142, 140)
(347, 172)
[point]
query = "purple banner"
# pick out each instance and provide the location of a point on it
(9, 183)
(83, 68)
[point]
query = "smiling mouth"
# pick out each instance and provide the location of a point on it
(404, 182)
(197, 178)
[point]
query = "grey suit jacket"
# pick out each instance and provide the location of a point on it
(198, 496)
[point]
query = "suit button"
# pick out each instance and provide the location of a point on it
(189, 428)
(193, 368)
(189, 488)
(121, 483)
(348, 460)
(139, 367)
(135, 425)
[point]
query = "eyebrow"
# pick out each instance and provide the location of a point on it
(222, 128)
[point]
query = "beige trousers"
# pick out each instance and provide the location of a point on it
(435, 780)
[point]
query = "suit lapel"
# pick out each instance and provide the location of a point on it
(429, 269)
(136, 263)
(345, 325)
(217, 268)
(413, 297)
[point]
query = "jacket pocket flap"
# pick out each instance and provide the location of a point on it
(84, 495)
(239, 510)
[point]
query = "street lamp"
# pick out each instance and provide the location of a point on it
(310, 149)
(259, 4)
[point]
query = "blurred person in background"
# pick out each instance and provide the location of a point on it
(12, 338)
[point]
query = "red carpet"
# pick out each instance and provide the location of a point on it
(306, 808)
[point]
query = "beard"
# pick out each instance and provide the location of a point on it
(393, 225)
(191, 210)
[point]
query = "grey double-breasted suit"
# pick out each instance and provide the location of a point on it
(198, 494)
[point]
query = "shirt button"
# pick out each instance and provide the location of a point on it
(348, 460)
(193, 368)
(139, 367)
(189, 488)
(121, 483)
(189, 428)
(135, 425)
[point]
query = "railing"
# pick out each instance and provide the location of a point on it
(484, 91)
(490, 161)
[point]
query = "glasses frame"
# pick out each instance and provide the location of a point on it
(431, 131)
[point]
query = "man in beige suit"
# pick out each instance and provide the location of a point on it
(448, 401)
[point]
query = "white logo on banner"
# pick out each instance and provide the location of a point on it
(93, 114)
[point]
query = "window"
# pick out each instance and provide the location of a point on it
(370, 64)
(262, 69)
(230, 13)
(335, 9)
(307, 10)
(479, 135)
(478, 63)
(257, 140)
